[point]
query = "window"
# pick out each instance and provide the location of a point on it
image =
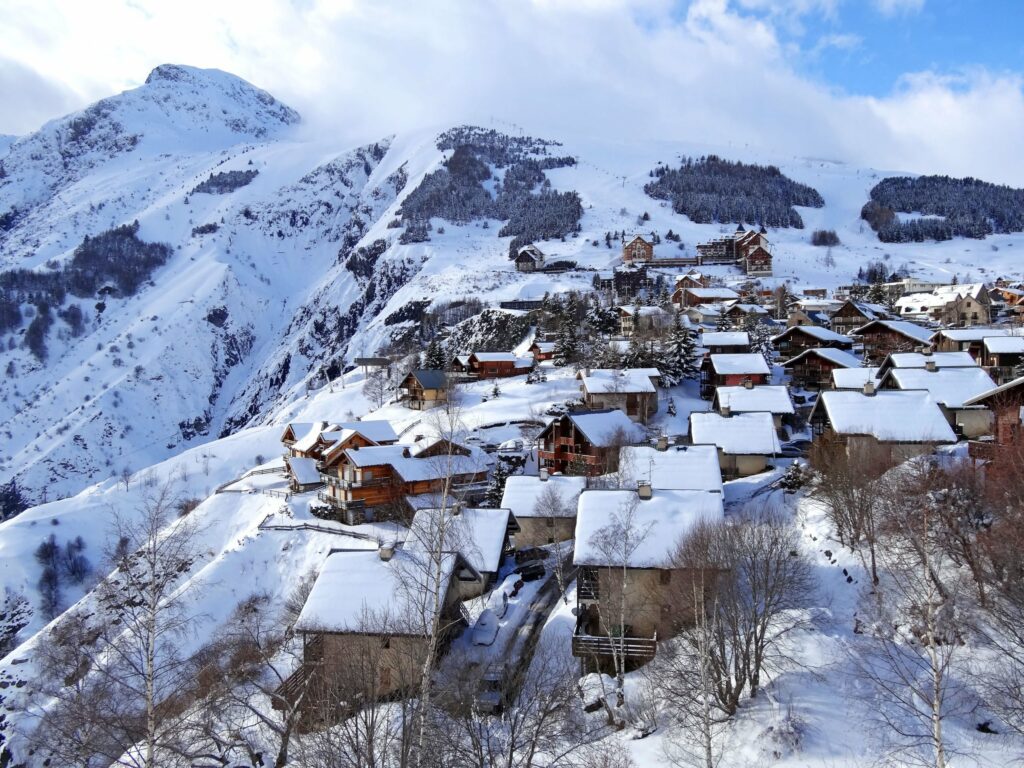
(665, 577)
(551, 539)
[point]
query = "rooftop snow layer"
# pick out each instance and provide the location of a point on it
(739, 364)
(854, 377)
(951, 387)
(772, 399)
(523, 491)
(725, 339)
(837, 356)
(656, 525)
(894, 416)
(742, 434)
(1004, 345)
(304, 470)
(680, 468)
(821, 334)
(357, 591)
(604, 381)
(602, 428)
(477, 534)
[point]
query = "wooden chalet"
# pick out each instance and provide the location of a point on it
(637, 319)
(969, 340)
(799, 338)
(659, 596)
(691, 297)
(879, 428)
(498, 365)
(633, 391)
(883, 337)
(812, 369)
(637, 250)
(542, 350)
(543, 521)
(1007, 437)
(852, 315)
(1002, 357)
(725, 342)
(586, 442)
(798, 316)
(364, 633)
(757, 262)
(376, 482)
(732, 370)
(693, 279)
(745, 441)
(424, 389)
(530, 258)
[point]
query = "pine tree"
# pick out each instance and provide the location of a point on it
(496, 488)
(722, 323)
(495, 390)
(435, 358)
(567, 344)
(679, 355)
(761, 341)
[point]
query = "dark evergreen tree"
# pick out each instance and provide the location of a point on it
(435, 358)
(496, 487)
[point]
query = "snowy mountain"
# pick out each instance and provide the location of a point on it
(298, 257)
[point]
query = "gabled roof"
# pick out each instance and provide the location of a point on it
(431, 379)
(968, 334)
(711, 294)
(605, 381)
(904, 328)
(837, 356)
(743, 434)
(476, 534)
(815, 332)
(601, 428)
(523, 491)
(950, 387)
(866, 310)
(680, 468)
(771, 399)
(1004, 345)
(750, 363)
(890, 416)
(300, 429)
(996, 392)
(303, 470)
(725, 339)
(658, 524)
(357, 592)
(544, 347)
(921, 360)
(854, 377)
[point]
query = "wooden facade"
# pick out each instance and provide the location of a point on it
(483, 365)
(810, 370)
(424, 389)
(849, 317)
(795, 340)
(564, 448)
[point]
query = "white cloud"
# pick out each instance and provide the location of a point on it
(896, 7)
(619, 68)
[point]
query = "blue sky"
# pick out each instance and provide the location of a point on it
(915, 85)
(857, 47)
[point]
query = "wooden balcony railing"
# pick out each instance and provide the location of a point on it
(584, 646)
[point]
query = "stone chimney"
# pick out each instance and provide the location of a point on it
(869, 388)
(643, 490)
(748, 384)
(543, 474)
(929, 365)
(386, 550)
(725, 410)
(662, 443)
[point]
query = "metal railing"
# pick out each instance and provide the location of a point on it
(584, 645)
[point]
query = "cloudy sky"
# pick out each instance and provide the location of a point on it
(921, 85)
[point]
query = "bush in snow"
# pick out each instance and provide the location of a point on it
(223, 183)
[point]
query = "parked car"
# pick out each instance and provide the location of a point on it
(498, 603)
(526, 554)
(795, 449)
(531, 571)
(486, 628)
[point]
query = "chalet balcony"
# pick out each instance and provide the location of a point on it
(591, 646)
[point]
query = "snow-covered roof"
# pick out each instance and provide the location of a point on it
(921, 360)
(523, 491)
(602, 381)
(303, 470)
(739, 364)
(772, 399)
(680, 468)
(814, 331)
(1004, 345)
(750, 309)
(544, 347)
(601, 428)
(741, 434)
(905, 328)
(961, 290)
(495, 357)
(996, 391)
(950, 387)
(476, 534)
(357, 591)
(725, 339)
(969, 334)
(894, 416)
(431, 379)
(613, 526)
(712, 294)
(412, 467)
(837, 356)
(643, 311)
(309, 438)
(302, 428)
(853, 377)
